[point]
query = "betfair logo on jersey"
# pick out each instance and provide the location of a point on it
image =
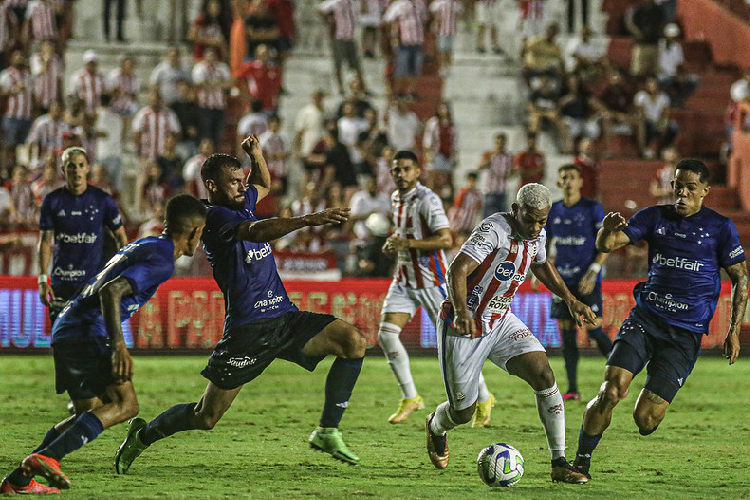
(76, 238)
(258, 253)
(677, 262)
(507, 271)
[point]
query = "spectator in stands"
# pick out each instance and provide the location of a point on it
(276, 152)
(372, 142)
(619, 114)
(167, 73)
(16, 85)
(544, 109)
(407, 19)
(260, 27)
(645, 21)
(212, 81)
(587, 57)
(48, 181)
(307, 239)
(440, 143)
(337, 166)
(253, 123)
(372, 10)
(661, 185)
(109, 145)
(154, 192)
(106, 15)
(308, 129)
(283, 13)
(21, 197)
(446, 14)
(88, 84)
(466, 209)
(191, 173)
(500, 168)
(531, 19)
(7, 37)
(487, 15)
(654, 109)
(187, 115)
(386, 187)
(151, 126)
(155, 225)
(578, 115)
(45, 135)
(358, 97)
(673, 78)
(89, 133)
(207, 31)
(589, 168)
(48, 72)
(366, 246)
(403, 124)
(530, 163)
(543, 56)
(263, 78)
(342, 20)
(41, 22)
(171, 164)
(6, 205)
(350, 127)
(365, 202)
(124, 86)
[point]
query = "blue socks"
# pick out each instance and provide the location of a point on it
(86, 428)
(175, 419)
(570, 355)
(602, 340)
(51, 435)
(586, 446)
(339, 386)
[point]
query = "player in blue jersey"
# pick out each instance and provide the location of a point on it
(572, 225)
(688, 246)
(262, 324)
(72, 228)
(92, 363)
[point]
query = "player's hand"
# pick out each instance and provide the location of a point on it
(613, 221)
(46, 293)
(732, 347)
(464, 324)
(388, 248)
(397, 243)
(578, 309)
(328, 216)
(122, 363)
(587, 283)
(251, 146)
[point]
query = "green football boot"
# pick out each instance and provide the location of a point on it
(131, 448)
(329, 440)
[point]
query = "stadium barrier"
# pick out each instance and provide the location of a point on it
(187, 314)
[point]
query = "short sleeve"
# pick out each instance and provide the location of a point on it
(639, 98)
(640, 225)
(431, 209)
(730, 249)
(137, 125)
(198, 74)
(392, 13)
(5, 81)
(597, 215)
(483, 240)
(327, 6)
(112, 218)
(46, 221)
(174, 123)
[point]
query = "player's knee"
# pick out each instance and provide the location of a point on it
(646, 420)
(542, 377)
(610, 394)
(130, 409)
(463, 416)
(206, 421)
(354, 344)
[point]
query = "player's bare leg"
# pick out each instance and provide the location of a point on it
(533, 367)
(650, 409)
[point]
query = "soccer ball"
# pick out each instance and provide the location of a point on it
(500, 465)
(378, 224)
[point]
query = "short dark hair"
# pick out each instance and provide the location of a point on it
(256, 105)
(569, 166)
(472, 175)
(696, 166)
(182, 212)
(503, 135)
(214, 163)
(406, 155)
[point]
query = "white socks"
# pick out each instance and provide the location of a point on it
(551, 409)
(484, 393)
(442, 420)
(397, 358)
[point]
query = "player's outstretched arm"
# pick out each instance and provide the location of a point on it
(738, 274)
(548, 275)
(461, 267)
(46, 245)
(259, 175)
(271, 229)
(441, 240)
(110, 297)
(610, 237)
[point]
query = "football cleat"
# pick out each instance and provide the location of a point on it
(483, 412)
(582, 467)
(572, 396)
(405, 408)
(131, 448)
(330, 440)
(437, 446)
(33, 488)
(49, 468)
(563, 472)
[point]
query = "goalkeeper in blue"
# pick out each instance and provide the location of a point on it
(688, 246)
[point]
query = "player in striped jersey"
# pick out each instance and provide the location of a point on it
(476, 324)
(421, 234)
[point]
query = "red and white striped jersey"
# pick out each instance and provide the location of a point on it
(48, 79)
(127, 87)
(411, 16)
(466, 209)
(503, 264)
(42, 19)
(191, 172)
(417, 215)
(4, 26)
(154, 127)
(47, 134)
(18, 84)
(344, 17)
(88, 87)
(501, 166)
(203, 74)
(447, 11)
(274, 143)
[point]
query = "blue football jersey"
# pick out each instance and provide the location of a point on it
(146, 264)
(571, 231)
(685, 255)
(245, 271)
(78, 223)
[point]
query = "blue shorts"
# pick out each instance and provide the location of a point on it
(445, 44)
(560, 309)
(409, 60)
(15, 131)
(669, 352)
(83, 367)
(247, 350)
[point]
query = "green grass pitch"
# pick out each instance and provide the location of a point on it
(259, 449)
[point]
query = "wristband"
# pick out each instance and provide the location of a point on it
(595, 268)
(42, 280)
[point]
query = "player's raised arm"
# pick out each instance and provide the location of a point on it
(259, 175)
(610, 237)
(271, 229)
(461, 267)
(738, 274)
(547, 274)
(441, 240)
(110, 296)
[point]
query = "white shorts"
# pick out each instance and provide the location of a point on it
(461, 358)
(487, 15)
(403, 299)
